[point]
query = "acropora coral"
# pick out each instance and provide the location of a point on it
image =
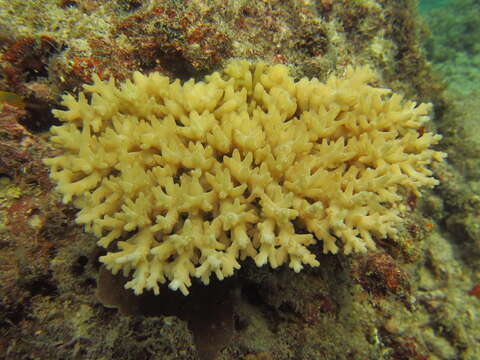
(187, 179)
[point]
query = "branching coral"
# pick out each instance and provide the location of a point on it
(186, 180)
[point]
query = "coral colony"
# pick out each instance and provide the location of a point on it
(182, 181)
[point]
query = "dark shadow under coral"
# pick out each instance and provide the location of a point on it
(208, 310)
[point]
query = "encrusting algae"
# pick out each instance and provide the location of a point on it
(186, 180)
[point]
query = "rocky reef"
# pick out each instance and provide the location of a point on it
(415, 296)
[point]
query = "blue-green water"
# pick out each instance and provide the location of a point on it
(453, 45)
(426, 5)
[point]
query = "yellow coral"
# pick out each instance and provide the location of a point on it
(186, 180)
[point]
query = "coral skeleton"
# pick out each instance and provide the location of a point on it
(186, 180)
